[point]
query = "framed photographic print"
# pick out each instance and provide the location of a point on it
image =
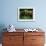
(26, 14)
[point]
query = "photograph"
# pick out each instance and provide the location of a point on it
(26, 14)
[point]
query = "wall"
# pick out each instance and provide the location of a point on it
(9, 13)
